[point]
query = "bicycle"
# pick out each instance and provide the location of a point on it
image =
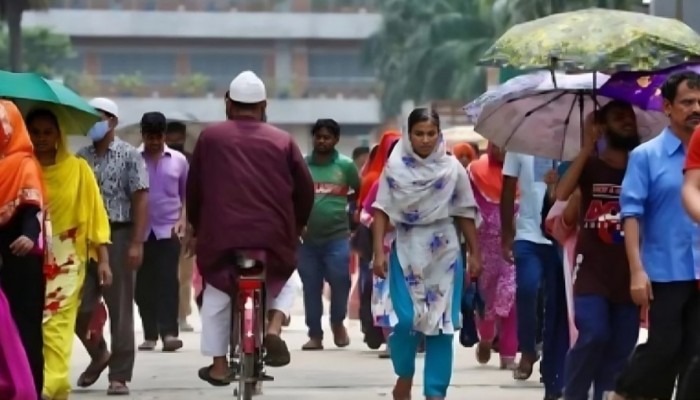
(248, 326)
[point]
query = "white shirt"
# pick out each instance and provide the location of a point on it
(527, 223)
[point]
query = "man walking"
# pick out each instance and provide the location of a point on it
(536, 261)
(157, 286)
(175, 138)
(325, 253)
(661, 242)
(121, 174)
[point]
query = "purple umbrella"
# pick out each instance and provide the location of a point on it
(642, 89)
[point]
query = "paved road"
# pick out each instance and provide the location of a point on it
(351, 373)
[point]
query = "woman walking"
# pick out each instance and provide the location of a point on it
(497, 281)
(80, 232)
(21, 205)
(420, 192)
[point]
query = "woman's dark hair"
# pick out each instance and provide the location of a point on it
(423, 114)
(669, 90)
(39, 113)
(391, 148)
(327, 123)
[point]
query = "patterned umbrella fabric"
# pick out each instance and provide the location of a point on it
(596, 40)
(643, 89)
(547, 121)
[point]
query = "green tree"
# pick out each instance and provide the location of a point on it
(46, 52)
(11, 12)
(429, 50)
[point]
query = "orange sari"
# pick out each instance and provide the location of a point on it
(21, 181)
(375, 168)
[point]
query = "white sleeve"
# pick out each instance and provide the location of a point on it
(512, 165)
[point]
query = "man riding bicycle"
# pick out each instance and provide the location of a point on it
(248, 189)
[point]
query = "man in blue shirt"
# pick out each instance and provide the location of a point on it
(660, 240)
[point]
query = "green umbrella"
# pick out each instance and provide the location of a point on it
(595, 40)
(30, 91)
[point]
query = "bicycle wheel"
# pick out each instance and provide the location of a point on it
(246, 388)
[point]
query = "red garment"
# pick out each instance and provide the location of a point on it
(375, 168)
(692, 159)
(248, 189)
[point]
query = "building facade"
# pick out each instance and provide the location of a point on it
(178, 56)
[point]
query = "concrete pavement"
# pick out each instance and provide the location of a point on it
(338, 374)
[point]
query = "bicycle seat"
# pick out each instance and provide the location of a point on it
(249, 259)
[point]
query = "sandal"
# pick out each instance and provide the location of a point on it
(276, 351)
(204, 374)
(340, 336)
(525, 368)
(313, 345)
(117, 388)
(148, 345)
(483, 353)
(93, 372)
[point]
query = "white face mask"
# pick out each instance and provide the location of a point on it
(99, 131)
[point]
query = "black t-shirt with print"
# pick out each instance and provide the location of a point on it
(601, 265)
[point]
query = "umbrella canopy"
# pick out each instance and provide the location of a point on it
(643, 89)
(547, 121)
(464, 134)
(132, 133)
(595, 40)
(30, 91)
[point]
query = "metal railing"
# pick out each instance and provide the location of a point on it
(166, 85)
(222, 5)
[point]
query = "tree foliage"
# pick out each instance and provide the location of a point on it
(45, 52)
(11, 13)
(428, 50)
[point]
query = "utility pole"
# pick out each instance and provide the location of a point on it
(679, 9)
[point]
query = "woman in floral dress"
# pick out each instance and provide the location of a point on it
(497, 281)
(80, 232)
(422, 192)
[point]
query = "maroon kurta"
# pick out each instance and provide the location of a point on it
(248, 189)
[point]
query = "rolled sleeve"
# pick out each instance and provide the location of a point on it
(511, 165)
(137, 173)
(635, 185)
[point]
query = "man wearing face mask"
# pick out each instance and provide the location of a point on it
(123, 179)
(248, 189)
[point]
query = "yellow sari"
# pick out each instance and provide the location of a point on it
(79, 224)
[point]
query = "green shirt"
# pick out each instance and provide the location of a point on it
(332, 182)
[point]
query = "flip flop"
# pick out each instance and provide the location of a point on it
(483, 354)
(148, 345)
(118, 390)
(204, 374)
(93, 371)
(276, 351)
(312, 345)
(524, 372)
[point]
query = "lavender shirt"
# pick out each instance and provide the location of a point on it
(166, 195)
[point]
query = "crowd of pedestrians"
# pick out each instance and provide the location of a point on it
(448, 241)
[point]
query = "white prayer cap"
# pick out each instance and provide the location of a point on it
(106, 105)
(247, 88)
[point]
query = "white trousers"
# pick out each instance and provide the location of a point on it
(216, 315)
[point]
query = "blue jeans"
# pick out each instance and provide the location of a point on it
(404, 340)
(536, 263)
(607, 334)
(318, 262)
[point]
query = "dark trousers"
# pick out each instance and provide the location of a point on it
(607, 334)
(22, 281)
(674, 332)
(158, 287)
(119, 297)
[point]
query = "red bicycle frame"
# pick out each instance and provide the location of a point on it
(250, 301)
